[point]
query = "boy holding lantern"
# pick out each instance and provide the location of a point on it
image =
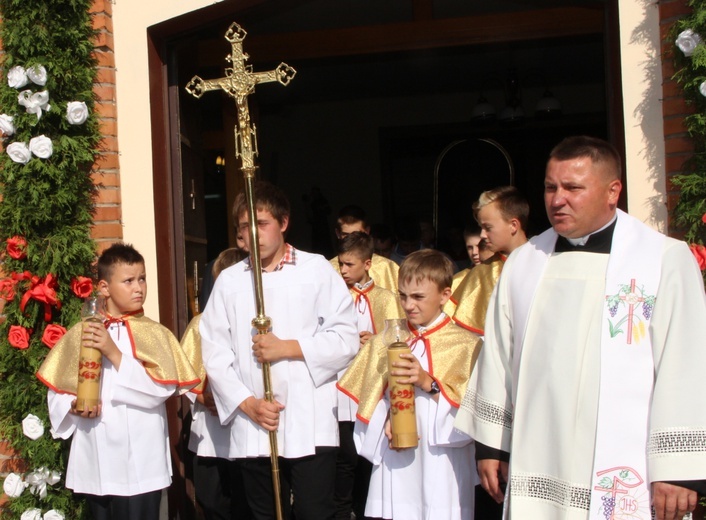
(433, 479)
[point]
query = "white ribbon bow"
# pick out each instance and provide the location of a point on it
(39, 479)
(34, 103)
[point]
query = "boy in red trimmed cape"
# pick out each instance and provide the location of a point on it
(119, 456)
(433, 479)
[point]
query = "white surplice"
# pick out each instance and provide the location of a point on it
(435, 480)
(125, 451)
(308, 302)
(550, 429)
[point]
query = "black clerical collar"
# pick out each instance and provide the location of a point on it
(598, 242)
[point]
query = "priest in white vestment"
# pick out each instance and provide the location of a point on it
(593, 361)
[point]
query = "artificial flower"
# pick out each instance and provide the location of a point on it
(702, 88)
(13, 485)
(18, 337)
(37, 74)
(41, 146)
(687, 41)
(32, 427)
(52, 334)
(32, 514)
(7, 289)
(7, 127)
(53, 514)
(34, 103)
(39, 479)
(17, 247)
(703, 218)
(699, 253)
(82, 286)
(19, 152)
(17, 77)
(43, 291)
(76, 112)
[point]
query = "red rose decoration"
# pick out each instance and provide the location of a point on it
(18, 337)
(703, 218)
(699, 253)
(52, 334)
(7, 289)
(82, 286)
(17, 247)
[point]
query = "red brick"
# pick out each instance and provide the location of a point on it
(105, 75)
(676, 8)
(102, 21)
(675, 106)
(108, 144)
(107, 213)
(667, 69)
(13, 465)
(671, 88)
(107, 230)
(108, 196)
(104, 39)
(105, 243)
(106, 108)
(675, 163)
(104, 58)
(109, 127)
(674, 125)
(108, 161)
(104, 92)
(101, 6)
(111, 180)
(678, 145)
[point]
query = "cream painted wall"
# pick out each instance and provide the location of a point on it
(642, 92)
(130, 21)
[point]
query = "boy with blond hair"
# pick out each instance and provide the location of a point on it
(120, 458)
(373, 305)
(432, 480)
(502, 214)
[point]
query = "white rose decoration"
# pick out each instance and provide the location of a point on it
(702, 88)
(53, 514)
(32, 514)
(37, 74)
(13, 485)
(34, 103)
(6, 125)
(76, 112)
(41, 147)
(687, 41)
(19, 152)
(17, 77)
(32, 426)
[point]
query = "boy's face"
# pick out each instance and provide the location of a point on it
(344, 230)
(353, 268)
(496, 231)
(472, 242)
(270, 234)
(422, 301)
(126, 290)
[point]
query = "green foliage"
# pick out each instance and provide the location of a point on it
(691, 74)
(49, 202)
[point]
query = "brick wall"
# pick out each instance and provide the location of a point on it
(678, 145)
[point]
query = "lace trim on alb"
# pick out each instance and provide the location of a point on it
(543, 487)
(681, 440)
(485, 410)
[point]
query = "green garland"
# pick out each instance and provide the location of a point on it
(689, 55)
(46, 213)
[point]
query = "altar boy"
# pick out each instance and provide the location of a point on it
(120, 457)
(432, 480)
(313, 337)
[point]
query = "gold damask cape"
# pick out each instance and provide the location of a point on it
(383, 304)
(153, 345)
(383, 270)
(473, 294)
(191, 345)
(452, 352)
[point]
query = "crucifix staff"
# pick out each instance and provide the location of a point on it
(239, 83)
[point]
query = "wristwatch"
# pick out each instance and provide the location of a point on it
(434, 388)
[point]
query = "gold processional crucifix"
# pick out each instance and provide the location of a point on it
(239, 83)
